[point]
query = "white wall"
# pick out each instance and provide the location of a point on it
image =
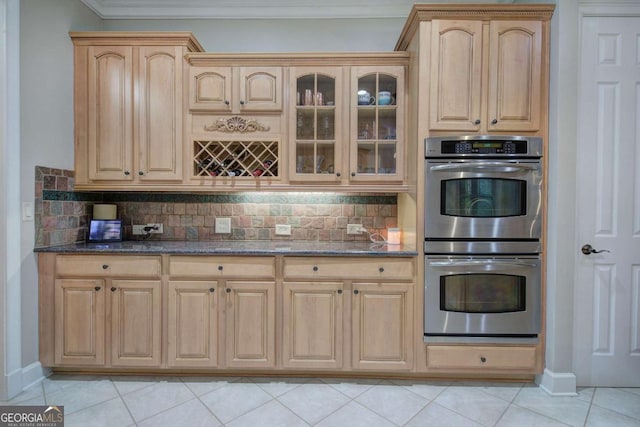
(278, 35)
(46, 98)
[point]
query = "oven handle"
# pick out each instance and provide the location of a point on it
(476, 263)
(485, 167)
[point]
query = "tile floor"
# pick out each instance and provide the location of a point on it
(263, 402)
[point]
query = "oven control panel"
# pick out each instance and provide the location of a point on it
(483, 146)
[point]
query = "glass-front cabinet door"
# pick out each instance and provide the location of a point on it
(316, 124)
(377, 124)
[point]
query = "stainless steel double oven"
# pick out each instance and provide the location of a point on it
(482, 236)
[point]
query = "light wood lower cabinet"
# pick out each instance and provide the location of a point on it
(312, 325)
(135, 322)
(382, 319)
(250, 313)
(79, 322)
(481, 358)
(106, 310)
(192, 332)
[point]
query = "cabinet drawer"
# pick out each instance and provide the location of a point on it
(222, 267)
(471, 357)
(349, 268)
(108, 265)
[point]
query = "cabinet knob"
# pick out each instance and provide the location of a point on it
(338, 174)
(226, 101)
(140, 173)
(339, 291)
(483, 359)
(353, 174)
(315, 268)
(97, 288)
(127, 173)
(241, 102)
(212, 289)
(494, 121)
(381, 269)
(356, 292)
(105, 266)
(228, 290)
(477, 122)
(113, 289)
(220, 268)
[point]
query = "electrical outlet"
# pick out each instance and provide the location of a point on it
(283, 230)
(223, 225)
(138, 229)
(354, 228)
(144, 229)
(155, 228)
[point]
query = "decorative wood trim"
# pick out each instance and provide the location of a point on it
(237, 124)
(306, 59)
(139, 38)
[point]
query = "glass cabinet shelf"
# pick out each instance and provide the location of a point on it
(376, 133)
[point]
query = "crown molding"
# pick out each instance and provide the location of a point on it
(249, 9)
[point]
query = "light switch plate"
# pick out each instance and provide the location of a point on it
(223, 225)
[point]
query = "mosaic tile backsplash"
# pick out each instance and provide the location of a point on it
(62, 215)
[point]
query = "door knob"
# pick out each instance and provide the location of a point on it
(588, 250)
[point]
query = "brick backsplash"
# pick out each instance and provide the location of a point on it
(62, 215)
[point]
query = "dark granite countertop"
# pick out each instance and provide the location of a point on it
(236, 247)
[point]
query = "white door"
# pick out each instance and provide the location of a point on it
(607, 289)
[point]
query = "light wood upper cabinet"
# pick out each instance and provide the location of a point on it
(79, 322)
(456, 79)
(486, 76)
(159, 110)
(515, 66)
(316, 124)
(377, 99)
(235, 89)
(128, 111)
(110, 114)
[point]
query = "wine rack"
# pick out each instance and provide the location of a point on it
(248, 159)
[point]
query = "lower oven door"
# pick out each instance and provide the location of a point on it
(482, 296)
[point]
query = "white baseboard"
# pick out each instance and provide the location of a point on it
(21, 379)
(557, 384)
(33, 374)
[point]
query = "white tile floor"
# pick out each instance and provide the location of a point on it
(263, 402)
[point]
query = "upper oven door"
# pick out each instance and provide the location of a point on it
(483, 199)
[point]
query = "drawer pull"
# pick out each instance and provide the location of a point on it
(105, 266)
(220, 268)
(212, 289)
(381, 269)
(228, 290)
(113, 289)
(483, 359)
(97, 288)
(356, 292)
(339, 291)
(315, 268)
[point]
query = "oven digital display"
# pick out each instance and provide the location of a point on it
(487, 145)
